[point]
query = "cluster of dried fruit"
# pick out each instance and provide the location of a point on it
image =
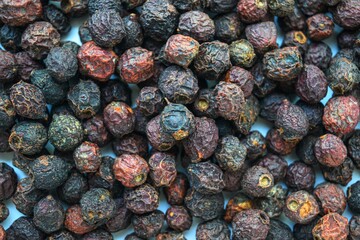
(206, 69)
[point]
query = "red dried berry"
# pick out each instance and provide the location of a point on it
(175, 193)
(251, 11)
(119, 119)
(181, 50)
(131, 144)
(251, 224)
(87, 157)
(178, 218)
(241, 77)
(277, 144)
(20, 12)
(160, 140)
(331, 198)
(330, 150)
(319, 27)
(74, 221)
(331, 226)
(162, 169)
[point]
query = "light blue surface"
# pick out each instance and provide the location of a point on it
(261, 125)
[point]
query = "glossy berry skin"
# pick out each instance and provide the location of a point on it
(136, 65)
(230, 153)
(251, 11)
(279, 67)
(181, 50)
(331, 198)
(319, 27)
(300, 176)
(212, 60)
(257, 181)
(331, 226)
(162, 169)
(131, 170)
(158, 19)
(301, 207)
(119, 119)
(341, 114)
(251, 224)
(143, 199)
(330, 150)
(202, 143)
(148, 225)
(95, 62)
(262, 36)
(198, 25)
(178, 218)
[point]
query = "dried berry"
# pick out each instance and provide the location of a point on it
(20, 13)
(178, 85)
(57, 18)
(39, 38)
(274, 202)
(119, 119)
(305, 150)
(214, 229)
(228, 27)
(8, 181)
(25, 65)
(65, 132)
(143, 199)
(176, 191)
(73, 189)
(131, 170)
(229, 100)
(148, 225)
(300, 176)
(162, 169)
(49, 215)
(74, 221)
(87, 157)
(279, 230)
(158, 19)
(4, 212)
(197, 25)
(4, 144)
(236, 204)
(304, 231)
(24, 228)
(28, 138)
(181, 50)
(281, 8)
(98, 234)
(301, 207)
(10, 38)
(283, 64)
(206, 207)
(136, 65)
(314, 113)
(49, 172)
(353, 197)
(242, 53)
(341, 114)
(345, 39)
(95, 62)
(121, 218)
(319, 27)
(96, 5)
(331, 198)
(262, 36)
(277, 144)
(75, 8)
(150, 101)
(341, 174)
(157, 137)
(131, 144)
(84, 32)
(230, 153)
(318, 54)
(251, 11)
(353, 148)
(202, 143)
(251, 224)
(311, 7)
(28, 101)
(248, 115)
(104, 176)
(241, 77)
(8, 66)
(346, 14)
(263, 86)
(178, 218)
(330, 150)
(276, 165)
(95, 131)
(331, 226)
(212, 60)
(354, 230)
(257, 181)
(270, 105)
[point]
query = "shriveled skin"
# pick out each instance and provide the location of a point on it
(276, 165)
(230, 153)
(300, 176)
(73, 189)
(121, 219)
(75, 8)
(143, 199)
(251, 224)
(301, 207)
(341, 174)
(228, 27)
(134, 34)
(176, 191)
(95, 131)
(212, 60)
(318, 54)
(95, 62)
(74, 221)
(136, 65)
(214, 229)
(270, 104)
(331, 226)
(341, 115)
(346, 14)
(132, 143)
(197, 25)
(241, 77)
(281, 8)
(87, 157)
(242, 53)
(330, 150)
(221, 6)
(251, 11)
(236, 204)
(8, 66)
(283, 64)
(131, 170)
(319, 27)
(248, 115)
(294, 21)
(150, 101)
(96, 5)
(178, 218)
(39, 38)
(262, 36)
(229, 100)
(291, 121)
(354, 227)
(26, 65)
(353, 147)
(61, 64)
(181, 50)
(205, 104)
(158, 139)
(331, 198)
(313, 112)
(148, 225)
(296, 39)
(257, 181)
(28, 101)
(204, 206)
(8, 181)
(311, 7)
(162, 169)
(277, 144)
(119, 118)
(2, 233)
(273, 203)
(20, 12)
(206, 177)
(4, 212)
(202, 143)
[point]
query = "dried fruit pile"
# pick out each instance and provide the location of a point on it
(206, 71)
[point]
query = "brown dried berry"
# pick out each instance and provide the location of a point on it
(8, 66)
(248, 115)
(119, 119)
(273, 203)
(318, 54)
(197, 25)
(228, 27)
(241, 77)
(178, 218)
(236, 204)
(319, 27)
(346, 14)
(330, 150)
(136, 65)
(131, 144)
(143, 199)
(75, 8)
(230, 153)
(294, 21)
(341, 174)
(39, 38)
(354, 228)
(331, 198)
(202, 143)
(257, 181)
(262, 36)
(148, 225)
(341, 114)
(8, 181)
(162, 169)
(301, 207)
(158, 139)
(28, 101)
(331, 226)
(150, 101)
(121, 219)
(74, 221)
(251, 224)
(95, 62)
(181, 50)
(277, 144)
(4, 212)
(214, 229)
(96, 132)
(176, 191)
(87, 157)
(251, 11)
(20, 13)
(276, 165)
(300, 176)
